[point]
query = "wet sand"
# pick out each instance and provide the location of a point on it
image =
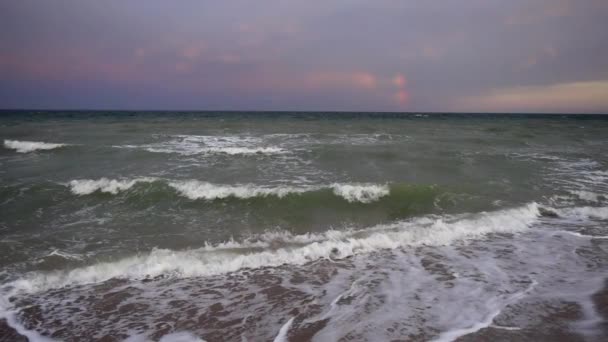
(8, 334)
(544, 321)
(224, 318)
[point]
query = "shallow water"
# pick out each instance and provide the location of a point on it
(256, 226)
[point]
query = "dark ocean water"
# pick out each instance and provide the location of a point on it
(299, 226)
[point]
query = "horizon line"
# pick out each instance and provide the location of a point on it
(291, 111)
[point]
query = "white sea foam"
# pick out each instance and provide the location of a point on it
(30, 146)
(201, 144)
(364, 193)
(282, 335)
(218, 150)
(244, 150)
(497, 306)
(64, 255)
(194, 189)
(202, 262)
(452, 335)
(585, 236)
(14, 323)
(588, 196)
(181, 336)
(583, 213)
(113, 186)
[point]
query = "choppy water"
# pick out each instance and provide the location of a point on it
(292, 227)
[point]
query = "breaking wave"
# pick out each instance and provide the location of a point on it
(364, 193)
(221, 150)
(195, 144)
(30, 146)
(112, 186)
(194, 189)
(294, 250)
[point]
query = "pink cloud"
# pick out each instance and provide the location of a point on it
(230, 58)
(182, 67)
(402, 97)
(399, 81)
(192, 51)
(139, 52)
(71, 65)
(537, 57)
(432, 52)
(364, 80)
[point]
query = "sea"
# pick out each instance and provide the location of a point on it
(297, 226)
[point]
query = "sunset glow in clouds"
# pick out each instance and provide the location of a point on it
(473, 55)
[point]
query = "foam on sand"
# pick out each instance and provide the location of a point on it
(497, 306)
(282, 335)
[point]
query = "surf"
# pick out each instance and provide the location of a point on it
(30, 146)
(293, 250)
(201, 190)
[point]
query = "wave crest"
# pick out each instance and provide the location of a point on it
(195, 145)
(195, 190)
(364, 193)
(30, 146)
(112, 186)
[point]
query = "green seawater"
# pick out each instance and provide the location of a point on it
(125, 183)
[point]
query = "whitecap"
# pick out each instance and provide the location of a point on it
(112, 186)
(201, 144)
(194, 189)
(30, 146)
(364, 193)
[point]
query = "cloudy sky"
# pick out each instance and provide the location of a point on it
(353, 55)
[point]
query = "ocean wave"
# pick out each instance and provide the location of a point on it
(30, 146)
(364, 193)
(201, 144)
(112, 186)
(219, 150)
(429, 230)
(195, 190)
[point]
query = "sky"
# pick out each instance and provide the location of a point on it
(330, 55)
